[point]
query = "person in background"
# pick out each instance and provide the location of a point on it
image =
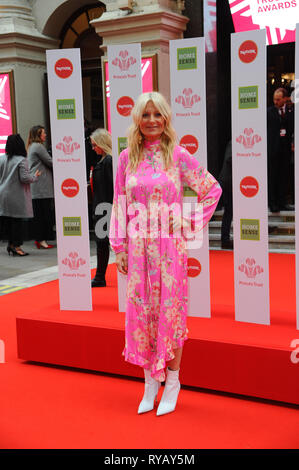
(102, 184)
(151, 174)
(225, 180)
(43, 191)
(15, 193)
(280, 128)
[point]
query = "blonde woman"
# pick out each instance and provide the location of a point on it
(102, 182)
(43, 189)
(153, 170)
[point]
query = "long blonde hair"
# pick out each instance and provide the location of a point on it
(103, 139)
(135, 137)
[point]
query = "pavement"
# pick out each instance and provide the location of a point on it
(40, 266)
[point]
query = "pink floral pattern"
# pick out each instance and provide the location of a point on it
(157, 287)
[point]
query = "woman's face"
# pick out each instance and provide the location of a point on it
(43, 135)
(152, 122)
(98, 150)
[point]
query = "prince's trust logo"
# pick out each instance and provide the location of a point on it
(123, 61)
(188, 98)
(248, 139)
(73, 261)
(251, 270)
(68, 146)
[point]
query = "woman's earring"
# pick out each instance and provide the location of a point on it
(140, 140)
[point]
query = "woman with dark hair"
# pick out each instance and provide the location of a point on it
(102, 178)
(15, 193)
(43, 191)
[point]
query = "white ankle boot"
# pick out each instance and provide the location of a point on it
(150, 393)
(170, 394)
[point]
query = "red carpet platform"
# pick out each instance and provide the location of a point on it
(220, 354)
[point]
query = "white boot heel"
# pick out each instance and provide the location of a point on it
(151, 389)
(170, 394)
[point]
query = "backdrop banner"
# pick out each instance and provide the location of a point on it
(295, 99)
(188, 102)
(249, 163)
(70, 185)
(124, 63)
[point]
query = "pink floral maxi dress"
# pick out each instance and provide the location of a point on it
(157, 285)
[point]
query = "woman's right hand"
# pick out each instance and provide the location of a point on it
(122, 262)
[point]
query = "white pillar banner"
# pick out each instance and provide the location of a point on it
(124, 63)
(188, 102)
(296, 134)
(70, 186)
(249, 161)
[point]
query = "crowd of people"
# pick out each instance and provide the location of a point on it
(152, 169)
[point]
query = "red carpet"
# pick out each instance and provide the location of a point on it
(50, 407)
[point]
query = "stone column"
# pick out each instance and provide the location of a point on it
(152, 23)
(22, 49)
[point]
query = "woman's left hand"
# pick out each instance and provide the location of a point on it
(176, 223)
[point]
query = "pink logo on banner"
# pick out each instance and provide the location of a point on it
(5, 111)
(279, 18)
(188, 99)
(73, 261)
(250, 268)
(68, 146)
(248, 139)
(124, 62)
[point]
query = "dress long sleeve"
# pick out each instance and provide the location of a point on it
(207, 188)
(118, 224)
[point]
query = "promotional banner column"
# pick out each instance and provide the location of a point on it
(70, 185)
(249, 162)
(188, 102)
(124, 63)
(296, 133)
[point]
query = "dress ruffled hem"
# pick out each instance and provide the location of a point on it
(157, 368)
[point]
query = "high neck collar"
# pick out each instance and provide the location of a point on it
(149, 144)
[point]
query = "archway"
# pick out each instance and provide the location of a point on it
(78, 33)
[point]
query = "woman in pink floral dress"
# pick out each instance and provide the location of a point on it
(147, 234)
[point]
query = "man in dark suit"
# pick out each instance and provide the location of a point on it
(280, 128)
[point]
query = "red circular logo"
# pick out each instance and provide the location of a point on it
(247, 51)
(249, 186)
(70, 187)
(190, 143)
(125, 105)
(194, 267)
(64, 68)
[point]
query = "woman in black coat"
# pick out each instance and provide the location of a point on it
(15, 193)
(102, 181)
